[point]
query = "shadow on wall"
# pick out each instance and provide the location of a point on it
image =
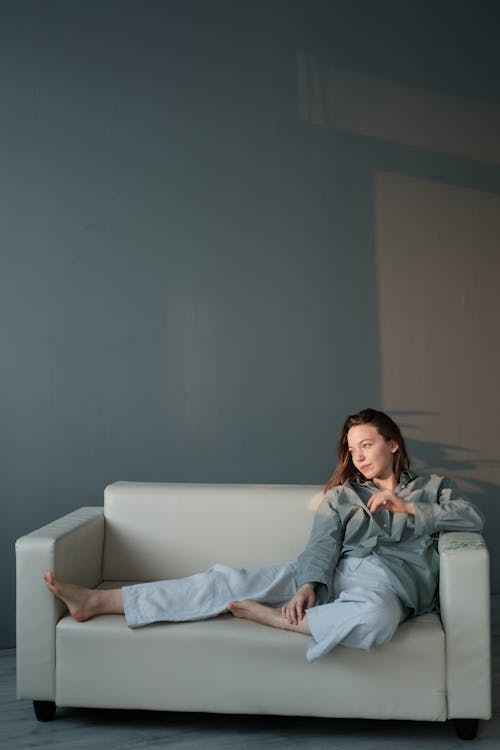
(437, 270)
(462, 464)
(443, 458)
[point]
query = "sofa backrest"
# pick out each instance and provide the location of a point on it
(156, 531)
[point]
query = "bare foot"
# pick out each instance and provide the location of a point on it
(251, 610)
(77, 598)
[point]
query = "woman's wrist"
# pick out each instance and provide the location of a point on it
(309, 585)
(403, 506)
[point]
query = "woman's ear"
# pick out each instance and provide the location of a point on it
(394, 446)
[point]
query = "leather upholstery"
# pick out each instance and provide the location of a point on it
(198, 666)
(149, 531)
(464, 591)
(72, 548)
(157, 531)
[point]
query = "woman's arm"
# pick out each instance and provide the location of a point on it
(449, 512)
(319, 559)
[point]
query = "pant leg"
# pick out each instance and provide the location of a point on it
(366, 610)
(207, 594)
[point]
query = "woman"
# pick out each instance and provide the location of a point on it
(370, 562)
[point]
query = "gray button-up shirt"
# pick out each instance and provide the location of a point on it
(404, 543)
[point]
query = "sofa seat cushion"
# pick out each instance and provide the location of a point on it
(228, 665)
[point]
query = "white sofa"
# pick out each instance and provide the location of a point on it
(434, 669)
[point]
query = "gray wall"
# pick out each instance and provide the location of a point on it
(187, 269)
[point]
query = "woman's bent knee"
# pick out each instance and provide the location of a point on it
(381, 622)
(378, 621)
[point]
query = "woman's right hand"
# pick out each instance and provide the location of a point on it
(293, 611)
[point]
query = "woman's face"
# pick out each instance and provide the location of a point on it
(371, 453)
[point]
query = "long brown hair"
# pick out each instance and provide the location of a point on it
(386, 427)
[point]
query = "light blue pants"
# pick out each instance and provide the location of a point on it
(364, 611)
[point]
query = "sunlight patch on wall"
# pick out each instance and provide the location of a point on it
(438, 265)
(375, 107)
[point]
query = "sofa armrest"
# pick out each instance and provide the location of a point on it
(72, 547)
(464, 592)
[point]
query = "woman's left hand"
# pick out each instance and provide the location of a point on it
(387, 500)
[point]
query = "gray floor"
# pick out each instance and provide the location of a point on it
(124, 730)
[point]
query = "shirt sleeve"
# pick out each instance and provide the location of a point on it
(319, 559)
(449, 512)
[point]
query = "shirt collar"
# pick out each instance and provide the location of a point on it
(405, 478)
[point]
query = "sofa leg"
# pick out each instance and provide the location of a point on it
(44, 710)
(466, 728)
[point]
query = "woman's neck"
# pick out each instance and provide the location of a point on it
(386, 483)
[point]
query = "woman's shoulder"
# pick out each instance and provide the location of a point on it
(433, 483)
(345, 492)
(332, 494)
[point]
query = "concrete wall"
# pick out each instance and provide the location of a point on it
(190, 270)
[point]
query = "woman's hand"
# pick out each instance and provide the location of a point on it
(387, 500)
(293, 611)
